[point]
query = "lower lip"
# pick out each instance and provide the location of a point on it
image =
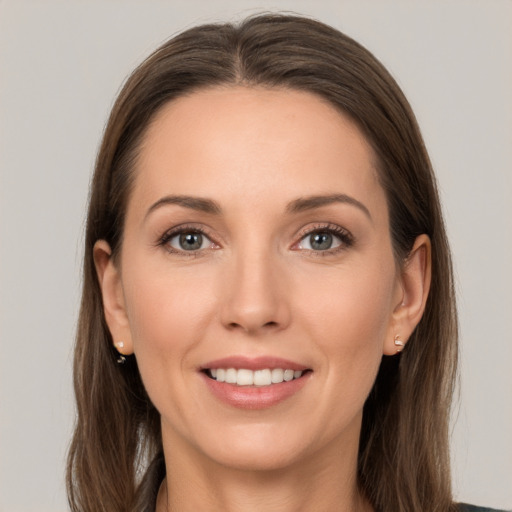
(253, 397)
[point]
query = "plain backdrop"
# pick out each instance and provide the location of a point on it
(61, 64)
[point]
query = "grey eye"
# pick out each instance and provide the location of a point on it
(189, 241)
(320, 241)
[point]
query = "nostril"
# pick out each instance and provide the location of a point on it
(267, 325)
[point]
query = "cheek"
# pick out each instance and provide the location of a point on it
(166, 309)
(168, 315)
(349, 319)
(353, 307)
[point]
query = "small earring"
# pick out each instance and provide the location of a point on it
(399, 344)
(121, 359)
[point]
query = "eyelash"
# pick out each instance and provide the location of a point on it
(345, 237)
(179, 230)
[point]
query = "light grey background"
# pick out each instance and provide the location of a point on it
(61, 64)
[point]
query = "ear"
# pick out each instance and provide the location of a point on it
(412, 294)
(109, 278)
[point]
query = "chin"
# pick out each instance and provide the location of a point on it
(257, 460)
(255, 451)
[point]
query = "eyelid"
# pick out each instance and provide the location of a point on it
(346, 238)
(168, 235)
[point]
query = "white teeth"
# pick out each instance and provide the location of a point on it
(277, 375)
(230, 376)
(288, 375)
(243, 377)
(262, 378)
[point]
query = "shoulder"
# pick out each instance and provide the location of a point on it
(464, 507)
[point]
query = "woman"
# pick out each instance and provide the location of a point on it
(268, 318)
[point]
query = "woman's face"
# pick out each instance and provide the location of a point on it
(256, 241)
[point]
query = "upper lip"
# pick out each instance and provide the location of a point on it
(254, 363)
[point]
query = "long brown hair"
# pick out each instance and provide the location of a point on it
(403, 454)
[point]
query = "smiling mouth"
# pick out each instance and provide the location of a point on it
(258, 378)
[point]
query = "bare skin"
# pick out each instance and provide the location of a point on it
(257, 228)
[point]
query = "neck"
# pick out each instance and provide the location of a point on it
(277, 498)
(325, 482)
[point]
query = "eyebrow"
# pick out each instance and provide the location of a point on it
(311, 202)
(194, 203)
(296, 206)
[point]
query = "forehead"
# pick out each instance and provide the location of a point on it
(259, 142)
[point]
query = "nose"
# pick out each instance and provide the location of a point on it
(255, 299)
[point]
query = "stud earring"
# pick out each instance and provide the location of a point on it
(121, 359)
(398, 344)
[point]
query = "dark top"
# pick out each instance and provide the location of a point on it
(464, 507)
